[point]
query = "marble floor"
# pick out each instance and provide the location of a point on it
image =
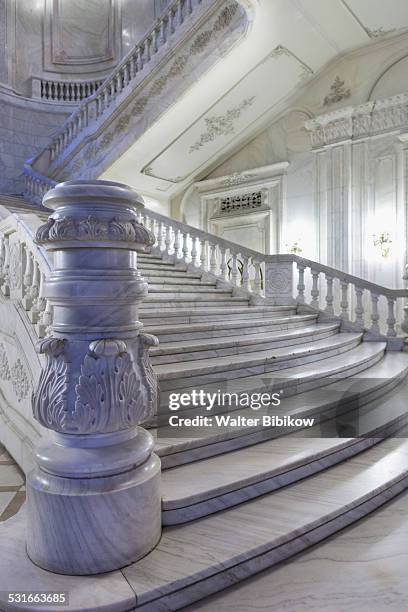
(364, 568)
(12, 486)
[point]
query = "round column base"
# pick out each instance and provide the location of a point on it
(83, 526)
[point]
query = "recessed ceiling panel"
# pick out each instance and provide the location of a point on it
(379, 16)
(252, 97)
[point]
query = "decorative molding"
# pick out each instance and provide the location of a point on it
(376, 33)
(379, 32)
(149, 376)
(19, 380)
(363, 121)
(59, 54)
(50, 399)
(338, 92)
(15, 264)
(109, 393)
(306, 71)
(237, 178)
(91, 228)
(221, 125)
(4, 364)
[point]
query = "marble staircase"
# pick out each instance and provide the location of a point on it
(239, 499)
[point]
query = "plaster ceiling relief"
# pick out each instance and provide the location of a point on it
(338, 92)
(378, 17)
(231, 116)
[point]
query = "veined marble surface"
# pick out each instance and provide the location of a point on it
(364, 568)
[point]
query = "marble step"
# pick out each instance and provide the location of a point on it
(170, 302)
(177, 281)
(188, 315)
(197, 331)
(309, 389)
(205, 291)
(163, 266)
(182, 350)
(183, 374)
(171, 274)
(207, 486)
(204, 556)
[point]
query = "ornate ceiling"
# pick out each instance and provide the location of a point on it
(289, 42)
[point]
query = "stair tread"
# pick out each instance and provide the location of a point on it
(220, 325)
(167, 348)
(327, 371)
(200, 480)
(190, 553)
(217, 310)
(173, 370)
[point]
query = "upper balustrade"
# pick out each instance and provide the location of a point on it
(69, 92)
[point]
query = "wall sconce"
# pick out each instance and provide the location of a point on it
(295, 248)
(383, 243)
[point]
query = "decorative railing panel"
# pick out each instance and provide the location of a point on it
(63, 91)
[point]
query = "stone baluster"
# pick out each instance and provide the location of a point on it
(178, 242)
(186, 247)
(258, 278)
(180, 16)
(301, 284)
(315, 289)
(195, 251)
(344, 305)
(27, 300)
(329, 295)
(213, 258)
(235, 271)
(203, 255)
(5, 288)
(375, 316)
(35, 292)
(223, 265)
(97, 468)
(359, 308)
(391, 320)
(161, 238)
(246, 283)
(404, 322)
(169, 238)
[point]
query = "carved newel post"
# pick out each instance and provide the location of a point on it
(94, 498)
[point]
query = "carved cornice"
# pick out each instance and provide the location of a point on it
(363, 121)
(93, 229)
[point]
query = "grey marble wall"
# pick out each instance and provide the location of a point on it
(3, 33)
(68, 38)
(24, 130)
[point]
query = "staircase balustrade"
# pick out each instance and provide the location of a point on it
(106, 95)
(379, 311)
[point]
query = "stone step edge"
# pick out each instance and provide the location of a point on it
(222, 342)
(292, 473)
(352, 340)
(191, 588)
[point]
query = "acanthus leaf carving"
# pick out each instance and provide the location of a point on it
(90, 228)
(50, 399)
(149, 375)
(109, 394)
